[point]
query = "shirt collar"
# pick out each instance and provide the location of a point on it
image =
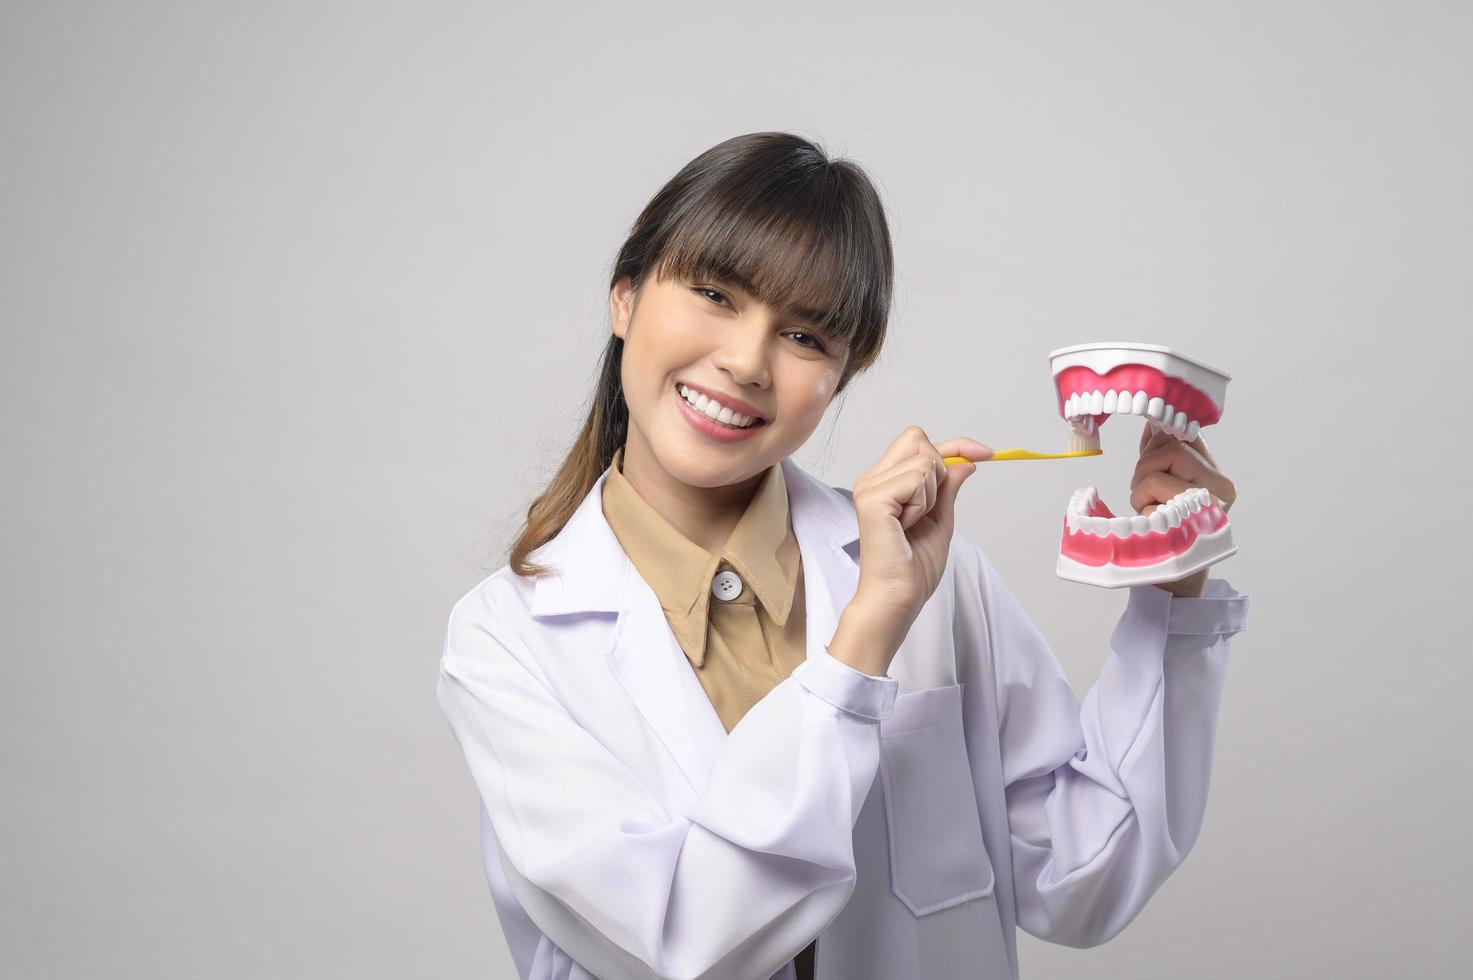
(761, 548)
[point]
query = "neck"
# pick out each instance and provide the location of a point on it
(705, 515)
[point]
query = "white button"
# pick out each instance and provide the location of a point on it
(726, 586)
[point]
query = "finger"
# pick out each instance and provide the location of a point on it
(938, 471)
(1200, 444)
(1153, 435)
(1212, 478)
(910, 441)
(935, 472)
(963, 446)
(1177, 458)
(1155, 490)
(1160, 487)
(900, 449)
(945, 510)
(909, 488)
(916, 463)
(904, 492)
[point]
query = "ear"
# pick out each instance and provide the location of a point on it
(621, 306)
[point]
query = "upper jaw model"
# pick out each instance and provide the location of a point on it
(1172, 392)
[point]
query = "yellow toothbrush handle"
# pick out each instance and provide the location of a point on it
(1004, 454)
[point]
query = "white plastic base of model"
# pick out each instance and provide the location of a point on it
(1208, 549)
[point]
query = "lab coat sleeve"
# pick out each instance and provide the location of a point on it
(735, 886)
(1105, 800)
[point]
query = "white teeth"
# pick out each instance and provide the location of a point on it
(1162, 415)
(1164, 517)
(715, 410)
(1165, 415)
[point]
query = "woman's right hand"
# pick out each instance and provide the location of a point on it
(904, 506)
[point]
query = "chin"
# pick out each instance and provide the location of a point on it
(707, 467)
(716, 474)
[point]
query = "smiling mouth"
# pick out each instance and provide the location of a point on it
(722, 416)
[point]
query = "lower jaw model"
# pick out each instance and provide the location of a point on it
(1174, 393)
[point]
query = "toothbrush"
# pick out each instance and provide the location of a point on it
(1006, 454)
(1082, 442)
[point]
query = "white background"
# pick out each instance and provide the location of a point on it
(301, 304)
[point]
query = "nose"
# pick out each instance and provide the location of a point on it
(743, 351)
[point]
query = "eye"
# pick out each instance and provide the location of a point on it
(707, 291)
(817, 344)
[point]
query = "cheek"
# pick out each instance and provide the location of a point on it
(816, 391)
(827, 381)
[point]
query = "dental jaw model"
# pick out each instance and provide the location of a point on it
(1172, 392)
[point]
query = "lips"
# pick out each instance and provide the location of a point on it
(709, 427)
(735, 404)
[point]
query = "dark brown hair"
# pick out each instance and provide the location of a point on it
(771, 213)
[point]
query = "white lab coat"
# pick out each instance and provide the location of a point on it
(626, 834)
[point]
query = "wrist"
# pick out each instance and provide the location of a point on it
(867, 638)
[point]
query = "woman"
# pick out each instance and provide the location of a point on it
(727, 721)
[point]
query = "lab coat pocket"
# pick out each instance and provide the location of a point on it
(937, 856)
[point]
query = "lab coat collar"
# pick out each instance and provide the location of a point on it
(595, 575)
(588, 559)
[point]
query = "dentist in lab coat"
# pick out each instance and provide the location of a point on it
(921, 781)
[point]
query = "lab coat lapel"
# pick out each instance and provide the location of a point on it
(828, 540)
(644, 655)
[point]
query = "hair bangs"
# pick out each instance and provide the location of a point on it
(793, 251)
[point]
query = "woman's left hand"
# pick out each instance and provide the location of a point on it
(1168, 466)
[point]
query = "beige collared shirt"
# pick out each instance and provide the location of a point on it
(740, 647)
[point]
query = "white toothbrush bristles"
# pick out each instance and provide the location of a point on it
(1084, 436)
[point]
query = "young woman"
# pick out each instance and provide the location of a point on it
(728, 721)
